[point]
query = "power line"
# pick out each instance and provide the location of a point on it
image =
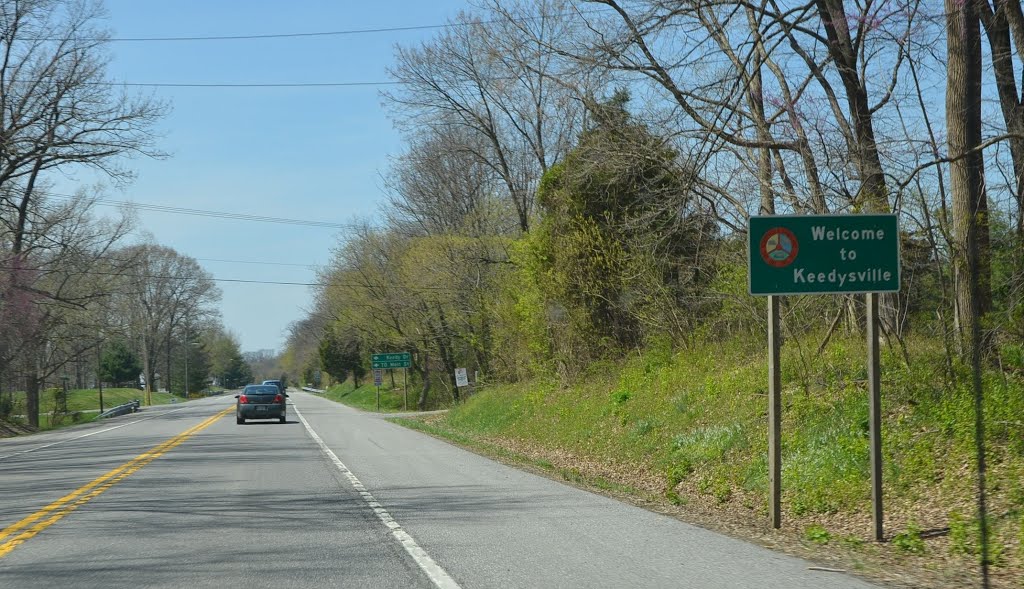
(308, 266)
(245, 84)
(232, 280)
(339, 33)
(158, 208)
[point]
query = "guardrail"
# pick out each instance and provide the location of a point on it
(122, 409)
(312, 390)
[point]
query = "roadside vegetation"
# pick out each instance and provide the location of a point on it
(687, 428)
(365, 397)
(80, 406)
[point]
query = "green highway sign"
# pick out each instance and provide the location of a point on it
(823, 254)
(392, 360)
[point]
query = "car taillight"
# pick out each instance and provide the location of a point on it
(243, 399)
(278, 398)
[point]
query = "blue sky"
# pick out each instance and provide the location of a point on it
(299, 153)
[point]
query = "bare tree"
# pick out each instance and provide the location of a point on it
(164, 289)
(56, 287)
(57, 109)
(440, 185)
(495, 82)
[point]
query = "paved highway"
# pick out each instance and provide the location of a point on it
(181, 496)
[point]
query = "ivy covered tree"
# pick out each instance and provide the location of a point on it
(618, 247)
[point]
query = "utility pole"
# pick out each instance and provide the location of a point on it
(186, 361)
(99, 372)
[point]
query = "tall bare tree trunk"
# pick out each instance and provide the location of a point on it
(971, 257)
(873, 196)
(963, 121)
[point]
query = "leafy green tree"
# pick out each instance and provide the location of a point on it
(198, 368)
(237, 372)
(119, 365)
(341, 355)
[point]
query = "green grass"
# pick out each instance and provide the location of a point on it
(88, 399)
(695, 419)
(365, 397)
(83, 404)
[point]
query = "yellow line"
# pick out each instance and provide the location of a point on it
(49, 515)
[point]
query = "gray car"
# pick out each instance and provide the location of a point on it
(276, 383)
(258, 401)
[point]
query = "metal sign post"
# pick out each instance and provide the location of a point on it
(823, 254)
(378, 378)
(774, 416)
(461, 379)
(875, 414)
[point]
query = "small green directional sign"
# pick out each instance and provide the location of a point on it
(823, 254)
(391, 360)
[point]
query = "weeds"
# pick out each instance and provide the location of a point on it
(909, 541)
(818, 534)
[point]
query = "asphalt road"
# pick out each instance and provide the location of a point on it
(334, 498)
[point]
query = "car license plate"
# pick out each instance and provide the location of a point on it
(261, 409)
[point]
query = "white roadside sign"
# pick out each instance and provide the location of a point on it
(461, 380)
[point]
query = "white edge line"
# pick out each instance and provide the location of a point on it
(437, 575)
(58, 442)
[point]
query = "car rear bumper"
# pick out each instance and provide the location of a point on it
(260, 411)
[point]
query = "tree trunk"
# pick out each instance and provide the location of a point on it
(32, 399)
(423, 367)
(1004, 27)
(445, 350)
(167, 375)
(971, 259)
(873, 196)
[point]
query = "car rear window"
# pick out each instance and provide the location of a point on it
(262, 389)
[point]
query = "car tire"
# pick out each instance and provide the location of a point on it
(283, 419)
(240, 420)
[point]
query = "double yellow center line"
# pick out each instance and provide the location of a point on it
(15, 534)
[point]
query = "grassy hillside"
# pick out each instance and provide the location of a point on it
(689, 429)
(365, 397)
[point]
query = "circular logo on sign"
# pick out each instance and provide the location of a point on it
(779, 247)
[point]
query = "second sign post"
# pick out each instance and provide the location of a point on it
(388, 361)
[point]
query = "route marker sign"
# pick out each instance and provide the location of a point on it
(461, 378)
(378, 377)
(391, 360)
(823, 254)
